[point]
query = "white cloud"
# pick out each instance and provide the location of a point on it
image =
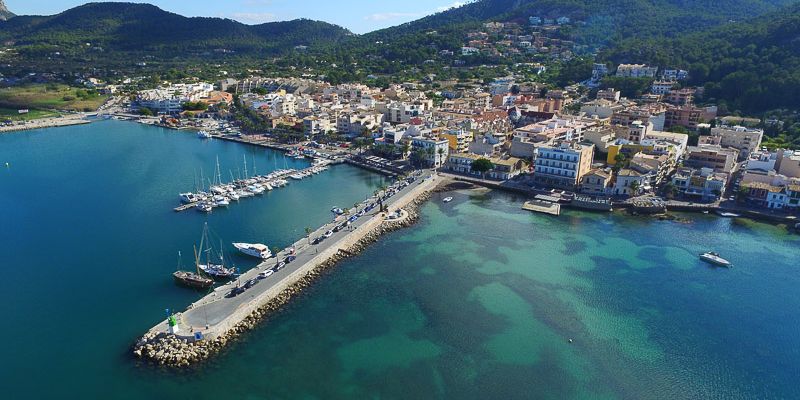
(252, 17)
(389, 16)
(453, 5)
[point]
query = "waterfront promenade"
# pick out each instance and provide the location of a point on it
(215, 314)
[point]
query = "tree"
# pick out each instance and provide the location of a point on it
(406, 148)
(146, 112)
(482, 165)
(742, 193)
(634, 187)
(308, 234)
(441, 157)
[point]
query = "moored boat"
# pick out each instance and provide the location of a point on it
(204, 207)
(188, 198)
(254, 249)
(447, 199)
(209, 266)
(190, 279)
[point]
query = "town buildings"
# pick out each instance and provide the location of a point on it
(170, 99)
(746, 140)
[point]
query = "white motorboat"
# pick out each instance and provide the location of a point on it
(296, 176)
(714, 258)
(204, 135)
(221, 201)
(204, 207)
(447, 199)
(728, 214)
(337, 211)
(254, 249)
(187, 198)
(255, 189)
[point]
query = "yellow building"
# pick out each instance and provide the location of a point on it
(458, 141)
(627, 149)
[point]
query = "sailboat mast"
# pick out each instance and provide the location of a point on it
(245, 166)
(219, 174)
(196, 260)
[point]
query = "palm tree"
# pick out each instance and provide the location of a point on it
(406, 149)
(308, 234)
(441, 156)
(429, 153)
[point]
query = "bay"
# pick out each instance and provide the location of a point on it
(478, 300)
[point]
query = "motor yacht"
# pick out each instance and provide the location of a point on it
(254, 249)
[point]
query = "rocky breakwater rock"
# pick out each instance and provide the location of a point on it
(168, 350)
(172, 351)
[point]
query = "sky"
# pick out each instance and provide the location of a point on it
(359, 16)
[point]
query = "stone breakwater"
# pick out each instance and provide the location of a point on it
(167, 350)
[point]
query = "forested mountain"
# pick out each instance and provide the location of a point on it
(143, 27)
(747, 50)
(602, 21)
(749, 65)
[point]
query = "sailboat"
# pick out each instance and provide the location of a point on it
(190, 279)
(215, 271)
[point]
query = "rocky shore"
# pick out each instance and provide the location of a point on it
(167, 350)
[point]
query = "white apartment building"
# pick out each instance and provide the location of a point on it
(636, 71)
(402, 113)
(315, 125)
(661, 87)
(435, 150)
(746, 140)
(170, 99)
(563, 164)
(355, 123)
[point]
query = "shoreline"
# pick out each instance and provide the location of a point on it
(44, 123)
(158, 347)
(755, 215)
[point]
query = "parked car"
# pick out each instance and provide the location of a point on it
(265, 274)
(250, 283)
(235, 292)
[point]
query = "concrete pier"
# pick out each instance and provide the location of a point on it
(209, 323)
(542, 206)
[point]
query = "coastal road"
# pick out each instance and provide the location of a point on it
(215, 307)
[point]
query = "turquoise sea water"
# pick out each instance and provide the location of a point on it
(476, 301)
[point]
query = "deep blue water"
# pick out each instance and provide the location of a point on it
(476, 301)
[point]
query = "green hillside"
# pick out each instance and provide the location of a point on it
(146, 28)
